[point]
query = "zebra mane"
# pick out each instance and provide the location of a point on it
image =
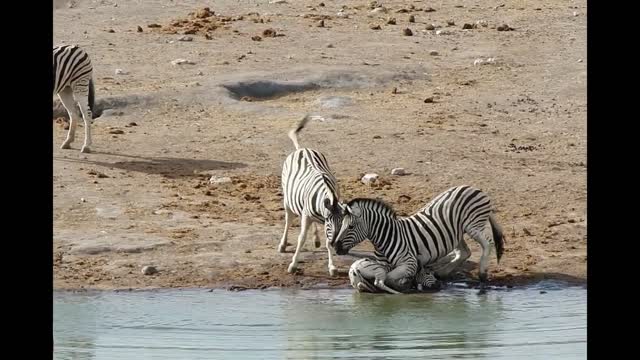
(370, 202)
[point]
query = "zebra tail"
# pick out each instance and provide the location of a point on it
(92, 100)
(498, 236)
(293, 134)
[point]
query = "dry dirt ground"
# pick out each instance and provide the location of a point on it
(514, 126)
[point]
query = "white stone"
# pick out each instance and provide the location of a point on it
(182, 62)
(398, 171)
(121, 72)
(149, 270)
(369, 178)
(219, 180)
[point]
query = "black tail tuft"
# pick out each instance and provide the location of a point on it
(92, 100)
(498, 237)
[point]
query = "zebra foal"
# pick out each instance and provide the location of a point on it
(311, 192)
(73, 83)
(424, 238)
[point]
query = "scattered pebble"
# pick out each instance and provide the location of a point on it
(412, 19)
(429, 9)
(398, 171)
(467, 26)
(378, 10)
(451, 23)
(369, 178)
(433, 53)
(443, 32)
(482, 23)
(394, 90)
(575, 13)
(121, 72)
(111, 31)
(430, 27)
(320, 23)
(185, 38)
(428, 100)
(278, 2)
(269, 33)
(182, 62)
(579, 60)
(139, 28)
(83, 200)
(116, 131)
(149, 270)
(154, 26)
(256, 38)
(375, 27)
(391, 21)
(407, 32)
(543, 292)
(504, 27)
(133, 124)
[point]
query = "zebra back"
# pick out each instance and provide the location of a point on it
(71, 67)
(307, 179)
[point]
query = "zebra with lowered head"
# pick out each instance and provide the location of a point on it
(433, 232)
(73, 83)
(310, 191)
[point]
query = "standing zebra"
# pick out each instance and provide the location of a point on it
(73, 83)
(311, 192)
(433, 232)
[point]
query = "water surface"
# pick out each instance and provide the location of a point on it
(456, 323)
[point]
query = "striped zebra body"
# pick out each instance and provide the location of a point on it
(73, 83)
(364, 273)
(311, 192)
(425, 238)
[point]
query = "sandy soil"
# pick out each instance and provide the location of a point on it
(515, 127)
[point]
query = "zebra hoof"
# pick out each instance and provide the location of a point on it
(66, 145)
(85, 149)
(292, 268)
(333, 271)
(317, 244)
(483, 277)
(282, 248)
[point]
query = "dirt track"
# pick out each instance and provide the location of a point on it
(515, 127)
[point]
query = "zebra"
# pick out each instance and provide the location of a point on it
(73, 83)
(422, 239)
(311, 192)
(364, 273)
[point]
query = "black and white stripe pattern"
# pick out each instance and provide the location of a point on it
(423, 239)
(311, 192)
(73, 83)
(364, 273)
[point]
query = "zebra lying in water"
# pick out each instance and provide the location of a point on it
(410, 243)
(311, 192)
(73, 83)
(364, 273)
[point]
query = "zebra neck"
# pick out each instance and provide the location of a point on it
(384, 232)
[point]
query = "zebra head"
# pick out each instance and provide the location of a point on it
(352, 232)
(333, 215)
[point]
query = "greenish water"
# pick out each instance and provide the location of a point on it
(456, 323)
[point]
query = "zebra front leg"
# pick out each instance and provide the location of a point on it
(287, 222)
(333, 271)
(87, 116)
(304, 227)
(69, 103)
(316, 235)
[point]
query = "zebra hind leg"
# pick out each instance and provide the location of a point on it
(287, 222)
(364, 272)
(82, 91)
(486, 243)
(304, 228)
(316, 236)
(69, 103)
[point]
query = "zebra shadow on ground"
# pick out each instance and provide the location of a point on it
(165, 166)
